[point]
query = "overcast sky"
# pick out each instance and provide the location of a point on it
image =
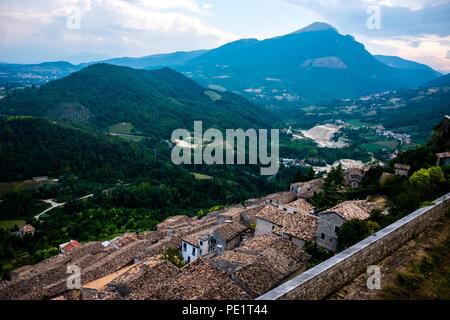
(36, 31)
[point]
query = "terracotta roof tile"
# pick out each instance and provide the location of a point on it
(229, 230)
(300, 225)
(355, 209)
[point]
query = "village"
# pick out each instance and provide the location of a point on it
(239, 252)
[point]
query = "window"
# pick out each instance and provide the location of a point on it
(336, 229)
(201, 243)
(201, 252)
(273, 227)
(184, 246)
(285, 209)
(290, 238)
(322, 236)
(193, 252)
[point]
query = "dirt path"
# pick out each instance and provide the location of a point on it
(409, 253)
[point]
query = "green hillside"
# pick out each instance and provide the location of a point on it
(155, 102)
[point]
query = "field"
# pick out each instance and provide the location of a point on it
(200, 176)
(5, 187)
(9, 224)
(125, 130)
(378, 146)
(122, 128)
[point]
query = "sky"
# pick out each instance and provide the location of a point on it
(84, 30)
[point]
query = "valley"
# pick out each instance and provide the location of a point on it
(86, 164)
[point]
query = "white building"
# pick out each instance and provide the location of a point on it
(198, 244)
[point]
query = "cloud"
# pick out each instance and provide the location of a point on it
(398, 17)
(429, 49)
(112, 27)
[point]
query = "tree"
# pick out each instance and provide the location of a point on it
(303, 175)
(354, 231)
(331, 193)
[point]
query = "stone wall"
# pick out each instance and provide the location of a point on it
(263, 227)
(332, 274)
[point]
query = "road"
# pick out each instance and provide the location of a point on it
(53, 205)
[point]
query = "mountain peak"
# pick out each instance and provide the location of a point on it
(316, 26)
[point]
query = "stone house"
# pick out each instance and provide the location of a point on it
(69, 246)
(293, 222)
(229, 235)
(262, 262)
(402, 169)
(27, 229)
(307, 189)
(331, 220)
(198, 244)
(443, 159)
(40, 179)
(354, 177)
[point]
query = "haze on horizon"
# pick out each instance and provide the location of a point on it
(89, 30)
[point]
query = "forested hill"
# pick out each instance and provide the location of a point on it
(32, 147)
(155, 102)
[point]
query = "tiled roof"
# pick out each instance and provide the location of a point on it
(262, 262)
(300, 225)
(301, 206)
(140, 281)
(200, 280)
(402, 166)
(229, 230)
(70, 245)
(443, 155)
(194, 238)
(173, 222)
(355, 209)
(28, 228)
(124, 239)
(281, 197)
(309, 188)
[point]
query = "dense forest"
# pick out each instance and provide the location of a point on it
(156, 102)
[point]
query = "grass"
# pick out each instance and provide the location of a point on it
(428, 278)
(9, 224)
(122, 127)
(200, 176)
(5, 187)
(129, 137)
(213, 95)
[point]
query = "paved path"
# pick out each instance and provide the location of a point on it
(53, 205)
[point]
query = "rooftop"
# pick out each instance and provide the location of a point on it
(262, 262)
(200, 280)
(402, 166)
(301, 206)
(194, 238)
(69, 245)
(28, 228)
(355, 209)
(309, 188)
(281, 197)
(301, 225)
(229, 230)
(174, 221)
(443, 155)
